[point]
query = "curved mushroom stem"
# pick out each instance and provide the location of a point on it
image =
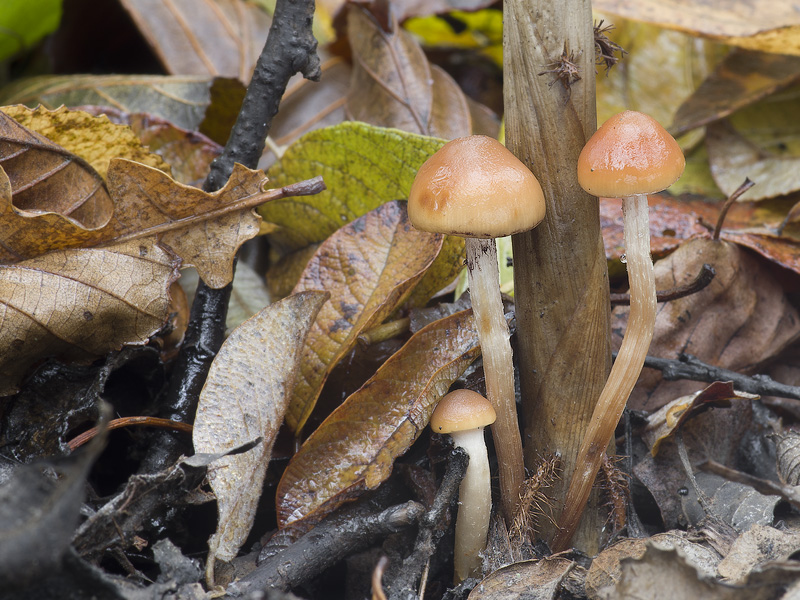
(474, 506)
(498, 366)
(626, 369)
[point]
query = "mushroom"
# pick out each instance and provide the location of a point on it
(463, 414)
(630, 156)
(475, 188)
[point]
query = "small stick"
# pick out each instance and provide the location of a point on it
(789, 493)
(704, 277)
(383, 332)
(728, 203)
(80, 440)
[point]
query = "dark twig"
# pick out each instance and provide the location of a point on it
(290, 48)
(432, 526)
(790, 493)
(728, 203)
(689, 367)
(325, 545)
(704, 277)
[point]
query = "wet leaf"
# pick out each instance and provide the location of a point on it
(202, 37)
(754, 24)
(244, 398)
(666, 420)
(369, 267)
(759, 142)
(780, 250)
(363, 167)
(394, 86)
(81, 304)
(741, 320)
(94, 139)
(355, 447)
(742, 78)
(182, 100)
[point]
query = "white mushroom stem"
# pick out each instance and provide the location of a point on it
(474, 505)
(498, 366)
(627, 366)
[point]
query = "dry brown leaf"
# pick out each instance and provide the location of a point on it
(740, 79)
(526, 580)
(754, 548)
(203, 37)
(739, 321)
(244, 398)
(81, 304)
(94, 139)
(355, 447)
(754, 24)
(45, 177)
(394, 86)
(369, 266)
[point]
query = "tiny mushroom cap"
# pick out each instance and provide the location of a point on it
(461, 410)
(629, 154)
(475, 187)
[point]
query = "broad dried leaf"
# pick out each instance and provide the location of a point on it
(81, 304)
(45, 177)
(394, 86)
(780, 250)
(203, 37)
(363, 167)
(95, 139)
(754, 24)
(525, 580)
(244, 398)
(739, 321)
(756, 547)
(355, 447)
(759, 142)
(148, 202)
(662, 423)
(181, 100)
(369, 267)
(742, 78)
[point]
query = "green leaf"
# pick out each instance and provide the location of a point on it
(25, 22)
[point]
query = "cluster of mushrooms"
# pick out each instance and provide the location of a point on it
(475, 188)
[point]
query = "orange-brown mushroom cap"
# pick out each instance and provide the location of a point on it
(475, 187)
(629, 154)
(461, 410)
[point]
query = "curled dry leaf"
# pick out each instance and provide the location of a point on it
(202, 37)
(394, 86)
(81, 304)
(180, 99)
(244, 398)
(369, 267)
(740, 320)
(355, 447)
(528, 580)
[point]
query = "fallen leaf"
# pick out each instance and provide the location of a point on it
(363, 167)
(758, 142)
(755, 547)
(244, 398)
(742, 78)
(202, 37)
(780, 250)
(355, 447)
(81, 304)
(394, 86)
(526, 580)
(754, 24)
(741, 320)
(369, 267)
(666, 420)
(181, 100)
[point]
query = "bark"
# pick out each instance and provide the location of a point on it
(560, 274)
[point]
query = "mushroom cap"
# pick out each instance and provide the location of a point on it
(630, 154)
(475, 187)
(461, 410)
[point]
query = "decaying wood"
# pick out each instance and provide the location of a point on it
(560, 274)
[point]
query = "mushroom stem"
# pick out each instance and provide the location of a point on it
(474, 506)
(498, 366)
(626, 369)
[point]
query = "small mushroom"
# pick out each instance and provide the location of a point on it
(475, 188)
(630, 156)
(463, 414)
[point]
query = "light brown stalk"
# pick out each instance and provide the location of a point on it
(626, 369)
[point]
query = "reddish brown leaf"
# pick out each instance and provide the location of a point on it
(355, 447)
(369, 266)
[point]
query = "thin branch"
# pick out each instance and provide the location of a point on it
(704, 277)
